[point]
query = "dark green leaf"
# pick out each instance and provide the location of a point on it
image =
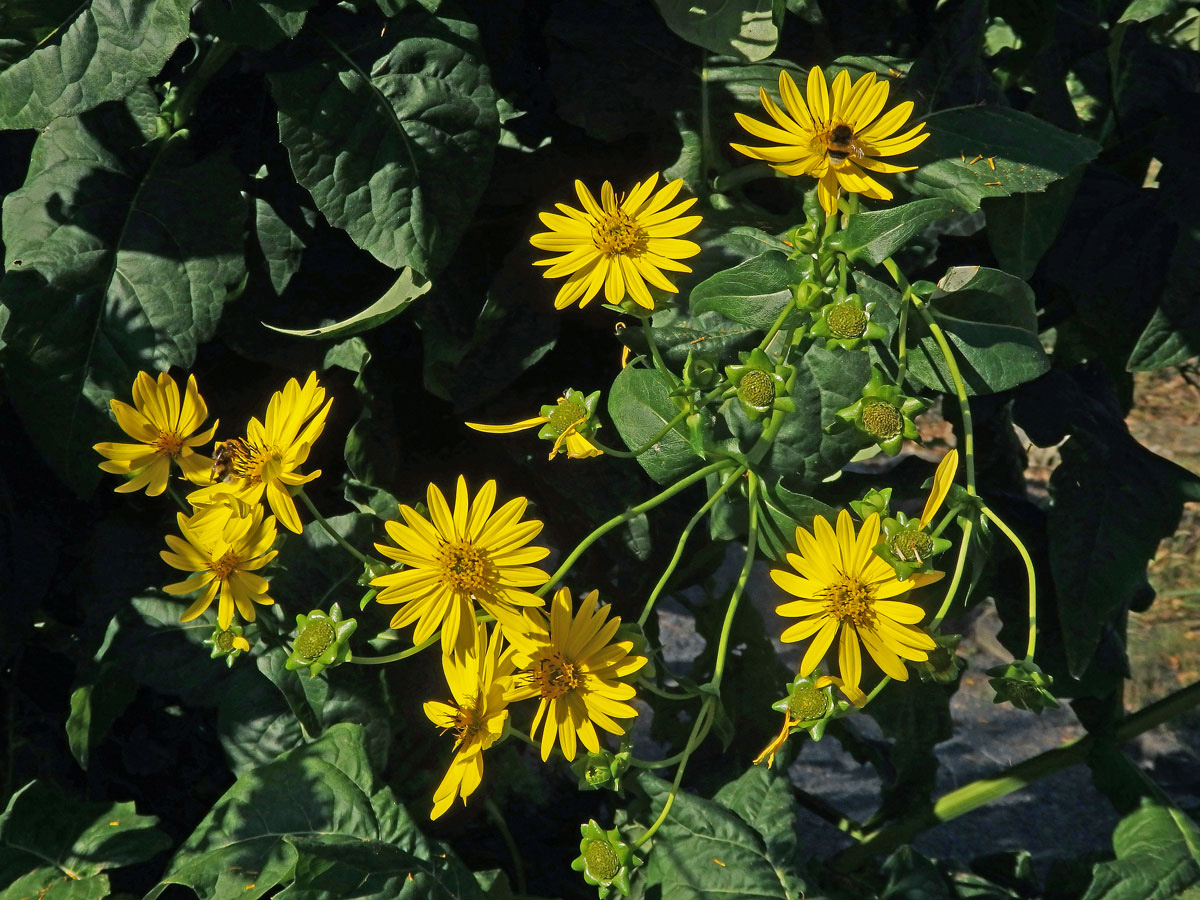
(1173, 332)
(1145, 10)
(1158, 858)
(704, 852)
(751, 293)
(912, 876)
(989, 319)
(47, 881)
(872, 237)
(70, 58)
(763, 799)
(640, 407)
(746, 28)
(238, 850)
(1028, 154)
(94, 708)
(407, 288)
(1022, 228)
(260, 24)
(784, 510)
(393, 134)
(42, 825)
(120, 252)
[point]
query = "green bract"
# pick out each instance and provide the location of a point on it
(759, 384)
(574, 412)
(944, 664)
(322, 640)
(846, 323)
(601, 770)
(604, 859)
(1023, 684)
(907, 546)
(883, 413)
(812, 707)
(228, 643)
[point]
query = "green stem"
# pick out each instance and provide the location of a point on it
(632, 512)
(320, 519)
(654, 354)
(665, 694)
(497, 818)
(978, 793)
(219, 53)
(743, 576)
(960, 391)
(902, 346)
(648, 445)
(396, 657)
(694, 739)
(778, 323)
(1016, 541)
(959, 567)
(174, 494)
(683, 539)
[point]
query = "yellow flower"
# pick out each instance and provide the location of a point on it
(460, 558)
(269, 458)
(834, 137)
(844, 586)
(568, 422)
(808, 702)
(478, 679)
(165, 429)
(224, 546)
(617, 245)
(576, 672)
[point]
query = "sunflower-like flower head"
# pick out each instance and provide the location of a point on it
(835, 136)
(846, 323)
(808, 706)
(760, 385)
(322, 640)
(883, 413)
(621, 245)
(570, 424)
(576, 669)
(908, 545)
(453, 560)
(164, 427)
(1024, 685)
(842, 586)
(225, 546)
(268, 460)
(227, 643)
(478, 679)
(604, 859)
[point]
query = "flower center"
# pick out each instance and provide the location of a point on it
(314, 639)
(225, 640)
(808, 703)
(849, 600)
(847, 321)
(882, 420)
(757, 388)
(467, 723)
(602, 861)
(912, 546)
(569, 413)
(618, 233)
(169, 444)
(840, 143)
(465, 567)
(555, 676)
(225, 566)
(249, 461)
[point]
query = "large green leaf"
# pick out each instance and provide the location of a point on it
(1173, 333)
(1026, 154)
(392, 133)
(872, 237)
(407, 288)
(640, 407)
(238, 850)
(61, 59)
(751, 293)
(746, 28)
(1022, 228)
(258, 23)
(990, 322)
(704, 852)
(120, 251)
(764, 800)
(56, 839)
(1158, 858)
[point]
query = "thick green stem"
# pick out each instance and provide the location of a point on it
(959, 567)
(599, 532)
(902, 346)
(341, 541)
(777, 324)
(699, 730)
(743, 576)
(683, 539)
(396, 657)
(497, 818)
(219, 53)
(978, 793)
(1016, 542)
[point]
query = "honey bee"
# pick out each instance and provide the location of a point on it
(842, 143)
(225, 454)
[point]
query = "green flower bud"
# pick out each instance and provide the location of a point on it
(1024, 685)
(944, 664)
(757, 390)
(883, 413)
(227, 643)
(846, 323)
(601, 770)
(322, 640)
(760, 386)
(604, 859)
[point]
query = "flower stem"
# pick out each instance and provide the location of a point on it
(654, 354)
(683, 539)
(743, 576)
(777, 324)
(174, 494)
(1016, 541)
(959, 567)
(728, 181)
(960, 391)
(977, 793)
(396, 657)
(497, 818)
(353, 551)
(699, 730)
(601, 530)
(648, 445)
